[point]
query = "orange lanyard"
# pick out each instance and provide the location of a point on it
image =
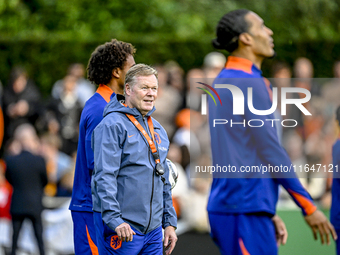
(145, 134)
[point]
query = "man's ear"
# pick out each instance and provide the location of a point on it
(127, 89)
(116, 73)
(245, 38)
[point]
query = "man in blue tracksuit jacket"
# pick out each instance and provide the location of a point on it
(131, 198)
(107, 68)
(335, 209)
(241, 205)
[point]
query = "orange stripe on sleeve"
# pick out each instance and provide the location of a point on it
(93, 247)
(243, 247)
(305, 203)
(105, 92)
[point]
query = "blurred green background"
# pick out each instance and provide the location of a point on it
(45, 36)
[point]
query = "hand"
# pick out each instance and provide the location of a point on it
(124, 232)
(22, 108)
(280, 230)
(319, 223)
(170, 239)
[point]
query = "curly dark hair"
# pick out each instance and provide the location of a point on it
(229, 28)
(105, 58)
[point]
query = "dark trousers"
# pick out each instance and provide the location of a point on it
(17, 221)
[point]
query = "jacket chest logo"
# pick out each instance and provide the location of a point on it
(158, 138)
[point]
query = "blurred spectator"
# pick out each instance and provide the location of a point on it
(176, 74)
(58, 163)
(282, 75)
(65, 184)
(331, 92)
(168, 103)
(180, 194)
(5, 203)
(193, 100)
(295, 148)
(195, 210)
(21, 98)
(304, 72)
(213, 63)
(27, 174)
(63, 113)
(185, 136)
(84, 89)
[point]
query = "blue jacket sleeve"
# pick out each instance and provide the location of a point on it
(169, 213)
(272, 153)
(107, 158)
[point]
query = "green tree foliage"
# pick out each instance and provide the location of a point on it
(47, 35)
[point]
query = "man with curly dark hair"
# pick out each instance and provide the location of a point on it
(106, 68)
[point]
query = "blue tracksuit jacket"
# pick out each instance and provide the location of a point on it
(125, 187)
(91, 115)
(241, 145)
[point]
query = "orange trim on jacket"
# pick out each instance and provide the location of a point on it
(105, 92)
(241, 64)
(305, 203)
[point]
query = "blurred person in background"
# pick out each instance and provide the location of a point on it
(303, 78)
(331, 92)
(193, 96)
(58, 163)
(20, 101)
(168, 103)
(65, 184)
(66, 110)
(248, 205)
(213, 63)
(84, 89)
(304, 73)
(5, 205)
(282, 76)
(26, 172)
(185, 137)
(180, 193)
(5, 188)
(107, 67)
(176, 79)
(335, 208)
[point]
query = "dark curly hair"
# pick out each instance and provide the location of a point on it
(105, 58)
(229, 28)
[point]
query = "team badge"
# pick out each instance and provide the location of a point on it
(158, 138)
(115, 242)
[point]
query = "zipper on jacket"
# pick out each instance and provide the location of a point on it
(153, 181)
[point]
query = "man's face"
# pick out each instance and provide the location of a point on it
(130, 61)
(262, 44)
(143, 94)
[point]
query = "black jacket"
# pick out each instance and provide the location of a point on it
(27, 174)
